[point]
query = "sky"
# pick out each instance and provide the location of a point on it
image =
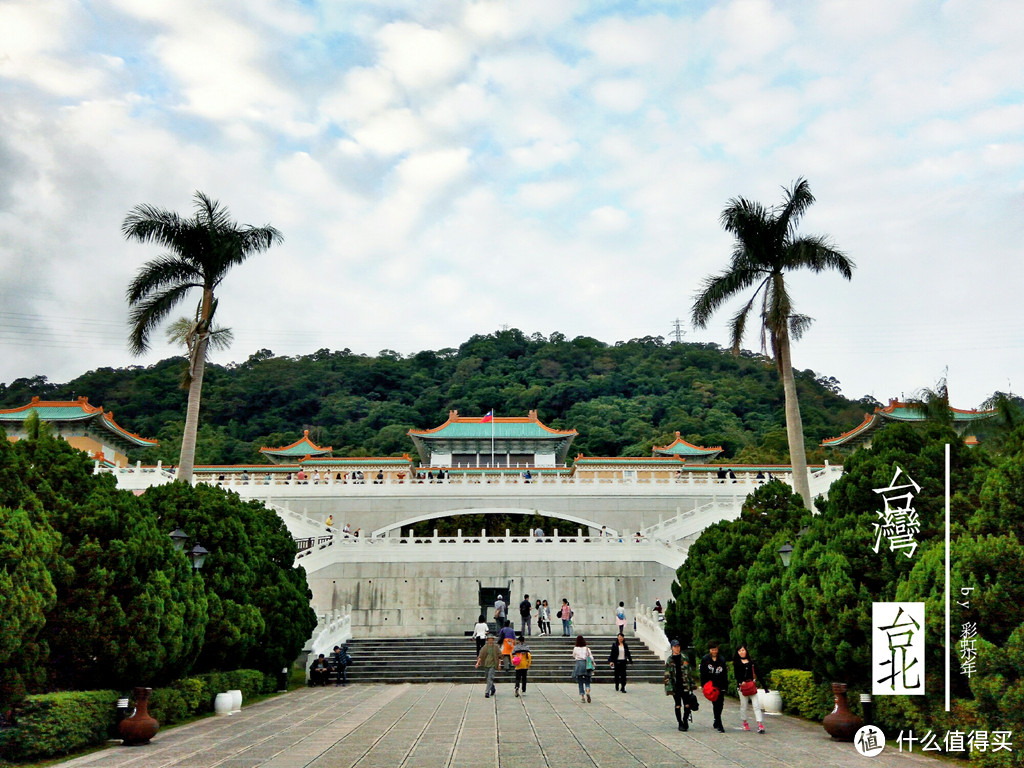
(440, 169)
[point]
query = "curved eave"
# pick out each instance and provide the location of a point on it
(73, 412)
(853, 434)
(299, 449)
(680, 447)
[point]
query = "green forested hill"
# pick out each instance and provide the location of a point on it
(622, 398)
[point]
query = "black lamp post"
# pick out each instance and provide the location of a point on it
(786, 552)
(197, 554)
(179, 537)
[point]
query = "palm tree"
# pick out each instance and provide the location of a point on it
(766, 248)
(201, 250)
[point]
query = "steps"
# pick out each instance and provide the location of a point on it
(451, 660)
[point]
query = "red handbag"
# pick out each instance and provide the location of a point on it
(710, 692)
(748, 688)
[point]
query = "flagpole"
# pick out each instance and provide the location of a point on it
(492, 438)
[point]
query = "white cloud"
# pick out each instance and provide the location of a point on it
(410, 151)
(620, 95)
(419, 57)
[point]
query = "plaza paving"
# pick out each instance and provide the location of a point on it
(428, 726)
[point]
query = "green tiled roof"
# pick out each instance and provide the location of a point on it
(897, 411)
(680, 447)
(384, 461)
(500, 428)
(56, 412)
(300, 448)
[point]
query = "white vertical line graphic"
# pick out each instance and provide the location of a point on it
(947, 578)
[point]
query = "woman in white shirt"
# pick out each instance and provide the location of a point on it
(480, 633)
(583, 667)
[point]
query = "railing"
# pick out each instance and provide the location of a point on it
(650, 630)
(318, 552)
(307, 545)
(333, 628)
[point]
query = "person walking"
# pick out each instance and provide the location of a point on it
(620, 618)
(525, 616)
(521, 659)
(618, 658)
(679, 684)
(490, 660)
(565, 614)
(507, 638)
(714, 679)
(500, 609)
(746, 679)
(480, 633)
(583, 667)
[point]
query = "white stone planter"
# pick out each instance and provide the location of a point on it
(771, 702)
(236, 700)
(222, 704)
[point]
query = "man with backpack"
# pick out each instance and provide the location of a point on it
(342, 660)
(525, 611)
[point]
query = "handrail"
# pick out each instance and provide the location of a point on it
(333, 628)
(649, 630)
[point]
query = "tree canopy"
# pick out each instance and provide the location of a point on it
(623, 398)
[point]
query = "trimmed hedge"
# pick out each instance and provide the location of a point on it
(58, 723)
(804, 697)
(192, 696)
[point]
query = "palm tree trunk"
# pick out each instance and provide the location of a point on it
(794, 424)
(187, 459)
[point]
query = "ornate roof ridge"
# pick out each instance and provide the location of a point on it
(304, 439)
(454, 418)
(87, 410)
(688, 444)
(868, 418)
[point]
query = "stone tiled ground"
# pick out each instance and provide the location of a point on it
(430, 726)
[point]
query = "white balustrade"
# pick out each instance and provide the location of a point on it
(650, 630)
(333, 628)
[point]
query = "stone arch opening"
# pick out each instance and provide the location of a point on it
(410, 522)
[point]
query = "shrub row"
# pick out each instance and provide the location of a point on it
(59, 723)
(804, 697)
(192, 696)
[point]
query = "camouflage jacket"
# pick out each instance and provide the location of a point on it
(686, 678)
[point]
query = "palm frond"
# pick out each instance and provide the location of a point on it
(798, 199)
(798, 325)
(818, 254)
(147, 223)
(161, 272)
(147, 313)
(738, 324)
(718, 289)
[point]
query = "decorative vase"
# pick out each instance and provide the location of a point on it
(236, 700)
(771, 702)
(222, 704)
(841, 724)
(140, 727)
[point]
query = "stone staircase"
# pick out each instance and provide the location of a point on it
(451, 660)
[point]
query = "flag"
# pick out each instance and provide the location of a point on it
(488, 417)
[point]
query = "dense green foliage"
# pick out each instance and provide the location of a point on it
(259, 614)
(622, 398)
(60, 723)
(815, 615)
(93, 593)
(716, 568)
